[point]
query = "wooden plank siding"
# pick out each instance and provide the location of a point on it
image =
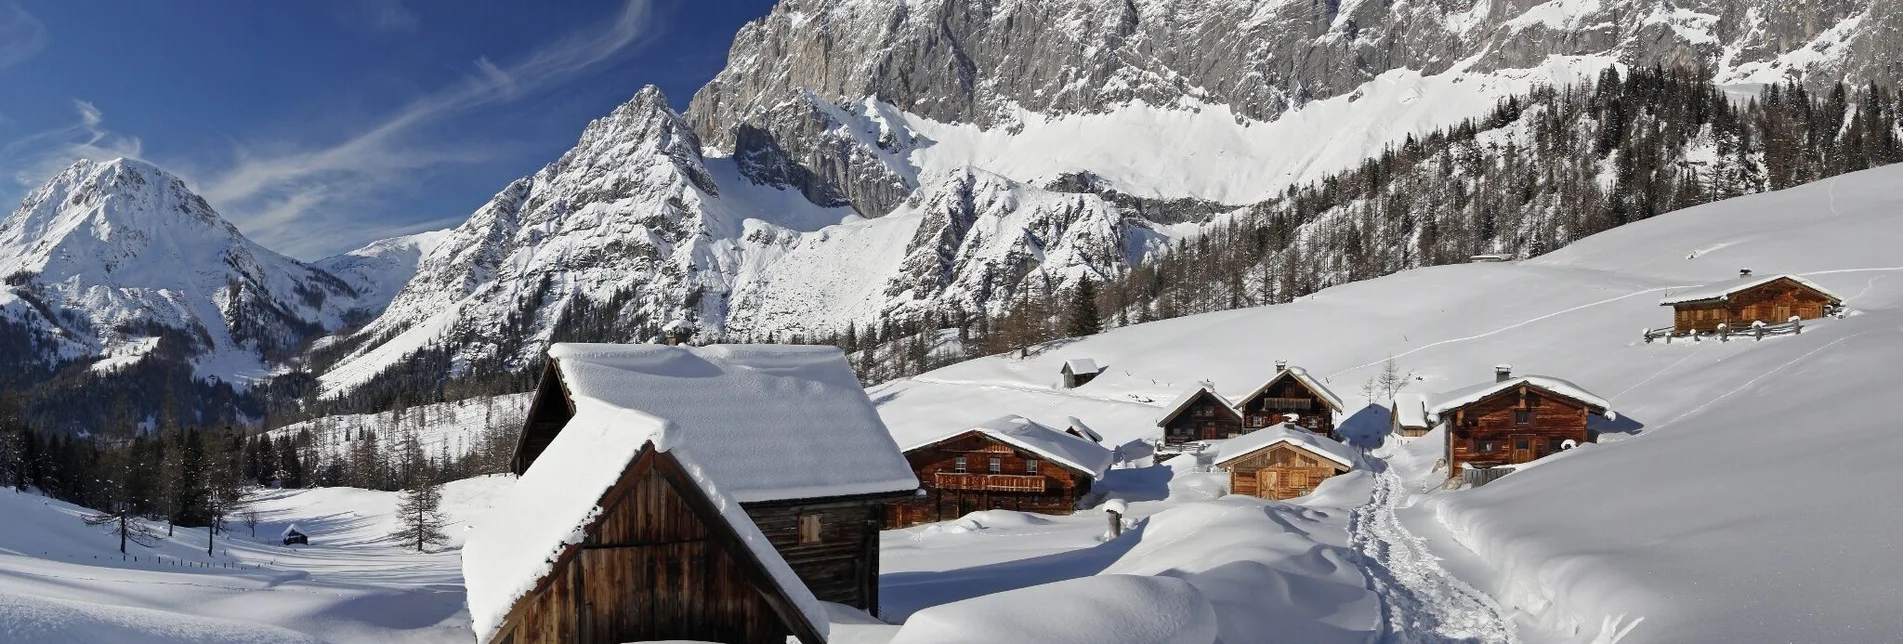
(1771, 303)
(1287, 395)
(1280, 471)
(1060, 489)
(842, 565)
(1514, 426)
(658, 563)
(1205, 418)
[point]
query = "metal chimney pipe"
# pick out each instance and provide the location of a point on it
(1744, 273)
(1281, 366)
(1502, 373)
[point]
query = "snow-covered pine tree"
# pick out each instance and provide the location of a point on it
(1083, 319)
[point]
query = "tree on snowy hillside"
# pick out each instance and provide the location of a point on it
(420, 520)
(1082, 319)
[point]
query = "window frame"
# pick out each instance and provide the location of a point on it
(959, 464)
(1030, 466)
(995, 465)
(1522, 417)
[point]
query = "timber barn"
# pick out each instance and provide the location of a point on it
(1282, 462)
(1409, 414)
(1008, 463)
(1198, 415)
(1291, 394)
(1515, 419)
(1078, 372)
(714, 493)
(1741, 302)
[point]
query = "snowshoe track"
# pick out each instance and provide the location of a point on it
(1420, 601)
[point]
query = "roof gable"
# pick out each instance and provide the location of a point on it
(1246, 445)
(1070, 452)
(774, 422)
(1461, 398)
(1410, 410)
(1185, 401)
(1724, 290)
(1303, 378)
(1081, 365)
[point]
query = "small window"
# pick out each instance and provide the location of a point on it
(958, 464)
(997, 465)
(1205, 411)
(1030, 466)
(809, 529)
(1555, 445)
(1522, 416)
(1522, 444)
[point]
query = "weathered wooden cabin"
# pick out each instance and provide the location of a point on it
(1515, 419)
(736, 484)
(1008, 463)
(1200, 414)
(1409, 414)
(1282, 462)
(294, 537)
(1739, 303)
(1291, 392)
(1078, 372)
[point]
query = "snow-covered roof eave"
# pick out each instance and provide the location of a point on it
(1241, 447)
(1724, 290)
(1556, 386)
(1182, 402)
(1094, 470)
(1308, 380)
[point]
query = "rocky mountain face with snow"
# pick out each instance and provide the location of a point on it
(109, 261)
(858, 161)
(381, 268)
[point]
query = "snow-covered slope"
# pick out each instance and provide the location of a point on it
(1702, 517)
(107, 257)
(381, 268)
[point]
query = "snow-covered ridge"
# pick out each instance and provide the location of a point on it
(381, 268)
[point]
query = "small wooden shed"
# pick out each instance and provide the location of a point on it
(292, 537)
(1007, 463)
(1291, 392)
(1515, 419)
(1078, 372)
(721, 493)
(1199, 414)
(1409, 413)
(1282, 462)
(1739, 303)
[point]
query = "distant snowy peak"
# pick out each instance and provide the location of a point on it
(381, 268)
(107, 257)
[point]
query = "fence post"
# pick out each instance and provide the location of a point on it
(1797, 324)
(1724, 332)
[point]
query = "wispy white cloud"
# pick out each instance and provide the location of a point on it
(33, 158)
(271, 190)
(378, 16)
(21, 35)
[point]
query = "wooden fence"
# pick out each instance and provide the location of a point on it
(1724, 332)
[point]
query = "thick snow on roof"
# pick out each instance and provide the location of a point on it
(1057, 446)
(1176, 406)
(1469, 395)
(1123, 609)
(1307, 380)
(1078, 425)
(1410, 410)
(290, 529)
(1081, 365)
(552, 504)
(771, 422)
(1722, 290)
(1255, 441)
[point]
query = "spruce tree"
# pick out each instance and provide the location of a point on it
(420, 520)
(1083, 310)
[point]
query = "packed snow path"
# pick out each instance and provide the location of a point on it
(1420, 601)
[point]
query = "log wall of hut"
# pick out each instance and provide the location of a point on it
(1771, 303)
(655, 565)
(952, 490)
(1272, 406)
(1280, 471)
(833, 545)
(1205, 418)
(1514, 426)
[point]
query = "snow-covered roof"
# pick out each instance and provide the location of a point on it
(1462, 397)
(1177, 406)
(772, 422)
(1410, 410)
(1301, 375)
(1723, 290)
(1077, 425)
(1252, 442)
(1057, 446)
(553, 503)
(291, 530)
(1081, 365)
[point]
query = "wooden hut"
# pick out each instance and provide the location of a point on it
(1282, 462)
(721, 493)
(1739, 303)
(293, 537)
(1008, 463)
(1292, 392)
(1409, 414)
(1199, 414)
(1515, 419)
(1079, 371)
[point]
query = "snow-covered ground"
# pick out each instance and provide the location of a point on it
(450, 427)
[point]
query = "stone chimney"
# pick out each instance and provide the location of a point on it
(1502, 372)
(1744, 273)
(1281, 366)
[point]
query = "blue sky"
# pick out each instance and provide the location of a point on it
(317, 126)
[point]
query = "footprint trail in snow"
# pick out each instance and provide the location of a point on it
(1420, 601)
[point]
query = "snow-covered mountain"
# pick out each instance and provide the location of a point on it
(865, 161)
(108, 262)
(381, 268)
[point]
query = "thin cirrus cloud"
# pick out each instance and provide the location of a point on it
(21, 35)
(33, 158)
(379, 16)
